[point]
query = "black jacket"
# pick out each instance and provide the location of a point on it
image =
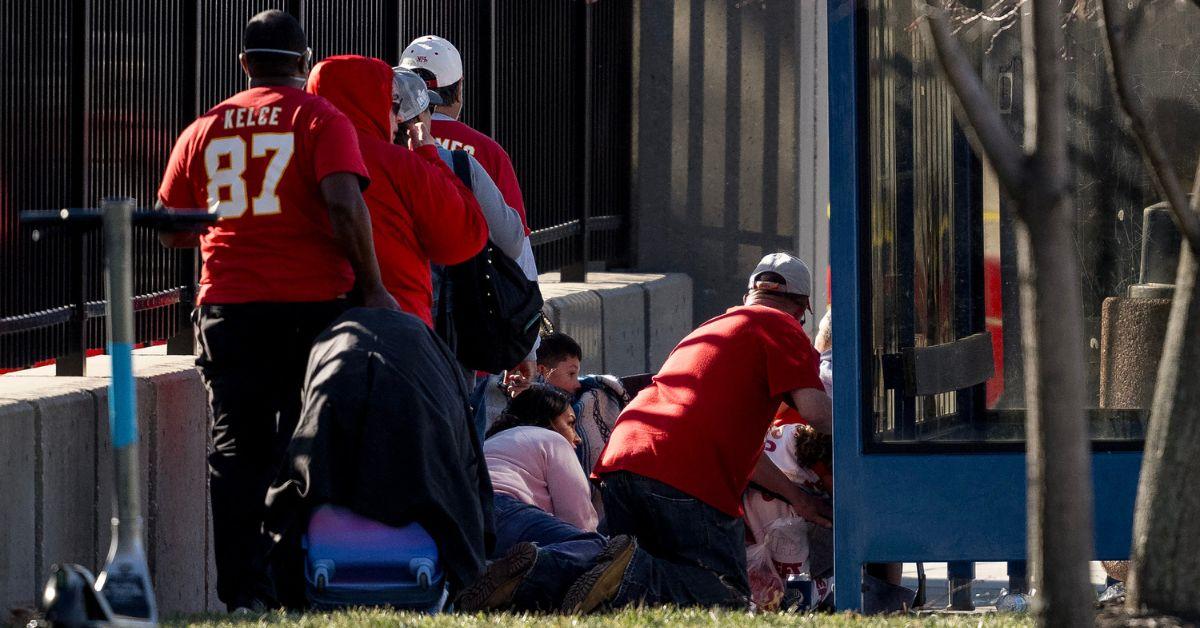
(386, 431)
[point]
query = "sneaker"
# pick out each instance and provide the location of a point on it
(495, 587)
(600, 583)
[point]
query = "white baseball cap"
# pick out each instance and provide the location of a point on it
(436, 56)
(797, 278)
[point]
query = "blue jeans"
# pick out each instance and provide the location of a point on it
(564, 551)
(689, 553)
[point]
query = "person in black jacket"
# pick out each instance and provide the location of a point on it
(386, 431)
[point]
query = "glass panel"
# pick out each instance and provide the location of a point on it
(942, 244)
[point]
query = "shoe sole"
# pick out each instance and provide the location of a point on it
(496, 586)
(600, 583)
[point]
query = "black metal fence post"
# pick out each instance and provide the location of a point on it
(184, 341)
(74, 361)
(577, 270)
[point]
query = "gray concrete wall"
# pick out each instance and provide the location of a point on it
(56, 462)
(730, 141)
(57, 466)
(625, 323)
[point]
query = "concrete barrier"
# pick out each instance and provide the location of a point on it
(173, 424)
(56, 459)
(18, 432)
(668, 316)
(640, 317)
(65, 482)
(577, 313)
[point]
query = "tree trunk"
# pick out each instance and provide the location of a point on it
(1058, 468)
(1165, 574)
(1057, 444)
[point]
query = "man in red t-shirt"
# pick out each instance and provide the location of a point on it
(284, 171)
(683, 452)
(438, 62)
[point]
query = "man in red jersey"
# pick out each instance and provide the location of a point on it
(438, 62)
(683, 451)
(284, 171)
(421, 211)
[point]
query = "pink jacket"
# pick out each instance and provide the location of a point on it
(538, 466)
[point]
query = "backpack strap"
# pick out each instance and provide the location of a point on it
(462, 166)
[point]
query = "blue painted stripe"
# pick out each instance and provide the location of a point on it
(122, 397)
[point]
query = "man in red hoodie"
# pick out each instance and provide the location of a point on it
(420, 211)
(438, 62)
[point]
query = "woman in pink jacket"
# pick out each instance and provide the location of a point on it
(530, 452)
(545, 523)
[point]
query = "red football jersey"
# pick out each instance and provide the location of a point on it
(258, 159)
(454, 135)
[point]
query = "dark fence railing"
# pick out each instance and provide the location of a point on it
(97, 91)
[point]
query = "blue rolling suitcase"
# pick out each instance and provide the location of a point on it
(351, 560)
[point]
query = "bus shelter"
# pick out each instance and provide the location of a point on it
(929, 389)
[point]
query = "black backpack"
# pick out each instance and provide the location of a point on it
(495, 312)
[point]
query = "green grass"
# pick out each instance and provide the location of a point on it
(633, 617)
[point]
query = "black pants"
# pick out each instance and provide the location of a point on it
(252, 358)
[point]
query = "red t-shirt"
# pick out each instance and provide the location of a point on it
(258, 159)
(455, 135)
(699, 427)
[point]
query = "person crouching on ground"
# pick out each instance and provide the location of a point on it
(420, 211)
(545, 524)
(684, 451)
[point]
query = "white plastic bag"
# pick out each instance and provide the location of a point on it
(787, 543)
(766, 587)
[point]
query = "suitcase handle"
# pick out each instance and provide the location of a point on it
(422, 568)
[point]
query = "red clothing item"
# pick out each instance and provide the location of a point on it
(258, 159)
(420, 211)
(699, 426)
(455, 135)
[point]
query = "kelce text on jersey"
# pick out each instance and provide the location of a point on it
(251, 116)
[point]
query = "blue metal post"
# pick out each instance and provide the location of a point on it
(846, 256)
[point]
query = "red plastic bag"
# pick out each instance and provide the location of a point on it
(766, 587)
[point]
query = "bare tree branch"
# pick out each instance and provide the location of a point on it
(1051, 143)
(1152, 149)
(990, 132)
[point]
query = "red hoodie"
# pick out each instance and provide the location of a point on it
(420, 211)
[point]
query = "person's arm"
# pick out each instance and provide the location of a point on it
(352, 229)
(570, 494)
(816, 408)
(176, 239)
(505, 228)
(811, 507)
(176, 191)
(506, 182)
(446, 216)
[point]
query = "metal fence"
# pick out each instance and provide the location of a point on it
(97, 91)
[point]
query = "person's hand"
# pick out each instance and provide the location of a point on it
(380, 298)
(418, 135)
(521, 377)
(811, 507)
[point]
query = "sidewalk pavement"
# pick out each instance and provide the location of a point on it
(989, 579)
